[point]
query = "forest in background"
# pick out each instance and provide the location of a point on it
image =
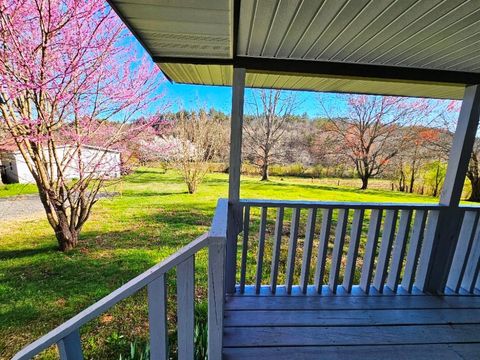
(405, 141)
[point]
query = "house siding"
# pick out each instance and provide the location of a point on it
(100, 162)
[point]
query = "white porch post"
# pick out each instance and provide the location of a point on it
(234, 211)
(450, 218)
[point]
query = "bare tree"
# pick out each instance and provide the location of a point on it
(323, 148)
(415, 155)
(266, 129)
(374, 131)
(473, 173)
(197, 140)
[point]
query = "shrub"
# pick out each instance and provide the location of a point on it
(288, 170)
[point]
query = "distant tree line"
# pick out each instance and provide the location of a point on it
(404, 140)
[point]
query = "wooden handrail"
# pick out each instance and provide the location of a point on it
(346, 205)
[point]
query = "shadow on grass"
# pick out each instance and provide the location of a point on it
(38, 293)
(272, 185)
(64, 283)
(170, 229)
(63, 286)
(16, 254)
(129, 193)
(143, 176)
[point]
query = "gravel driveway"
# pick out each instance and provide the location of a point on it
(20, 207)
(27, 207)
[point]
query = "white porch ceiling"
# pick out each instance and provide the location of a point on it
(187, 37)
(432, 34)
(186, 28)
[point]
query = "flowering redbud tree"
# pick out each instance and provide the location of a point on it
(371, 130)
(69, 79)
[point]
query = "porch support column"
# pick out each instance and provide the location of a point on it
(450, 218)
(234, 210)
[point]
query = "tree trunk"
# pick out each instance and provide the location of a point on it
(192, 187)
(59, 221)
(364, 183)
(265, 171)
(412, 181)
(67, 239)
(401, 181)
(437, 181)
(475, 194)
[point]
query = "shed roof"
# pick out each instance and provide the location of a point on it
(410, 47)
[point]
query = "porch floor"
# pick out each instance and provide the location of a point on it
(352, 327)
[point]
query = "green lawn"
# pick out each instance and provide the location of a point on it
(17, 189)
(152, 216)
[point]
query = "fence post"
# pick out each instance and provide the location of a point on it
(157, 318)
(216, 293)
(186, 308)
(70, 347)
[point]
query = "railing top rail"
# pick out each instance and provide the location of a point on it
(346, 205)
(113, 298)
(219, 222)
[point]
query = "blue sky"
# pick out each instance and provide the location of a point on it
(219, 97)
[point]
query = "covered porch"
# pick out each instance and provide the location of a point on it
(328, 280)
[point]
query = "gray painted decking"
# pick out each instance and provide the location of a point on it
(352, 327)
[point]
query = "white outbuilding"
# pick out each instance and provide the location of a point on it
(101, 162)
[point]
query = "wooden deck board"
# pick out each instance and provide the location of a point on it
(350, 335)
(352, 327)
(350, 302)
(351, 317)
(398, 352)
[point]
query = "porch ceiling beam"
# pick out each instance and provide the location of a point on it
(191, 60)
(332, 69)
(355, 70)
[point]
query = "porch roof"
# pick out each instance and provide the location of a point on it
(411, 47)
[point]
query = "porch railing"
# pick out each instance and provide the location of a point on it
(67, 335)
(328, 247)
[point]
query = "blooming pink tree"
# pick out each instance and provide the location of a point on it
(68, 79)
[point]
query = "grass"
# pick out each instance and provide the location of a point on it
(17, 190)
(152, 216)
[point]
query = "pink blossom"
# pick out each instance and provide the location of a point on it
(70, 75)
